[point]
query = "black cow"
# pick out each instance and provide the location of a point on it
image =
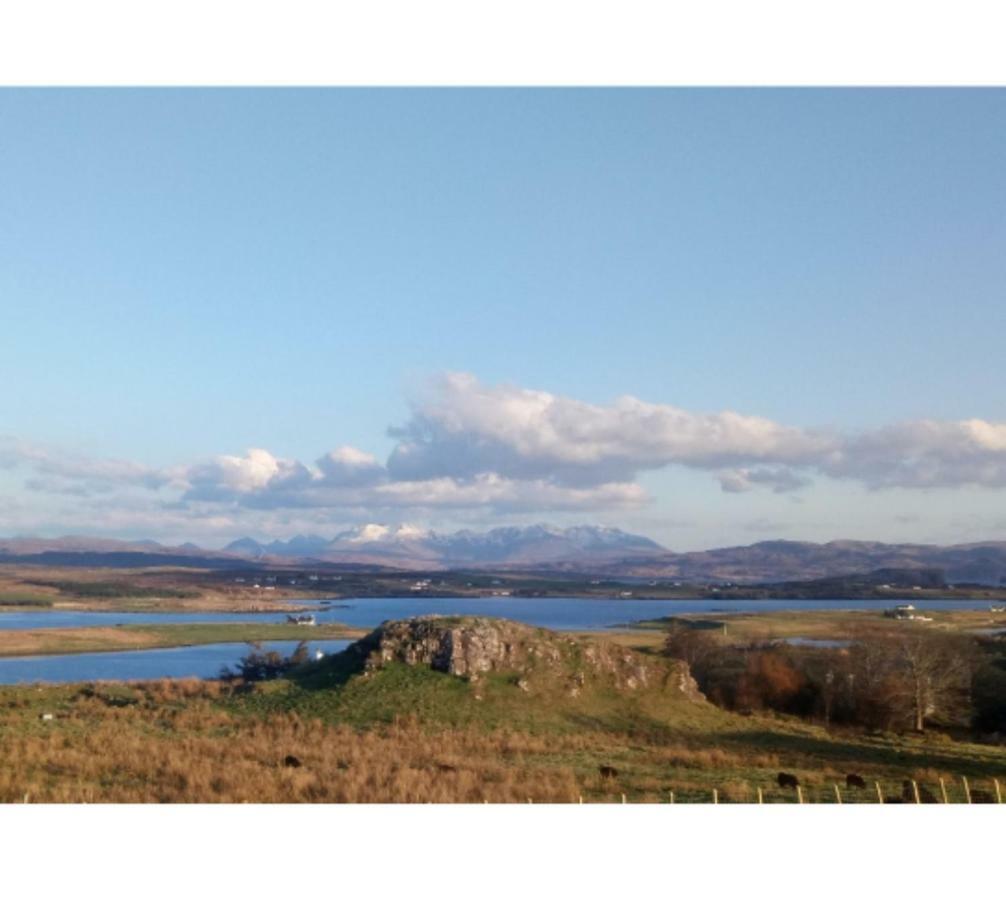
(908, 793)
(608, 771)
(787, 780)
(853, 780)
(291, 762)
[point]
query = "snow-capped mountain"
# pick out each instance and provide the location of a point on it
(410, 545)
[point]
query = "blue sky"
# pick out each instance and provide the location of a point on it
(187, 275)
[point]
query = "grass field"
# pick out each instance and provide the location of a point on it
(410, 734)
(142, 637)
(819, 624)
(138, 590)
(406, 733)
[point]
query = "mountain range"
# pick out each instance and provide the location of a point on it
(584, 549)
(411, 546)
(777, 561)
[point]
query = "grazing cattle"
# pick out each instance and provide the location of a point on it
(854, 781)
(608, 771)
(908, 793)
(291, 762)
(787, 780)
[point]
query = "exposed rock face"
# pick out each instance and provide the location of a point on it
(462, 647)
(470, 646)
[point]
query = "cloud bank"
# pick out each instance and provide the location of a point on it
(505, 448)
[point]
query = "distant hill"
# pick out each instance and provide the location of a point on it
(105, 552)
(580, 550)
(778, 561)
(398, 546)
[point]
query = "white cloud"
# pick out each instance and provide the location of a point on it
(506, 449)
(233, 477)
(347, 466)
(350, 478)
(780, 480)
(64, 472)
(924, 454)
(467, 428)
(495, 492)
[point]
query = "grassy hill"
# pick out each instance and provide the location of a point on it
(449, 710)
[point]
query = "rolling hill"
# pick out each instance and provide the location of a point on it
(585, 550)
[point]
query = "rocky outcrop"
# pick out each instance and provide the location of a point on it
(471, 646)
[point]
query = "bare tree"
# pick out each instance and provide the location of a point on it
(936, 672)
(910, 678)
(696, 646)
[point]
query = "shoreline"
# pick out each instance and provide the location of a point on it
(741, 623)
(294, 605)
(129, 638)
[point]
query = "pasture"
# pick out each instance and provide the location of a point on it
(413, 735)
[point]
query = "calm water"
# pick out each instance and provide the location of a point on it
(821, 643)
(558, 613)
(205, 661)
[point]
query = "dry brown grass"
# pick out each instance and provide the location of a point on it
(194, 741)
(148, 750)
(46, 641)
(72, 640)
(172, 741)
(214, 594)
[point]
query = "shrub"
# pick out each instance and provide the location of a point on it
(259, 665)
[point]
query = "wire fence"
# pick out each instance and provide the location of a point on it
(910, 791)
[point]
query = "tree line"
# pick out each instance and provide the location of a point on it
(891, 682)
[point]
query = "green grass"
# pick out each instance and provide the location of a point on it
(22, 599)
(657, 738)
(659, 742)
(225, 632)
(112, 590)
(57, 641)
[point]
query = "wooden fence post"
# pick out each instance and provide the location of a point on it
(943, 790)
(671, 795)
(880, 793)
(799, 794)
(581, 799)
(838, 795)
(915, 790)
(967, 789)
(999, 796)
(759, 794)
(716, 796)
(623, 798)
